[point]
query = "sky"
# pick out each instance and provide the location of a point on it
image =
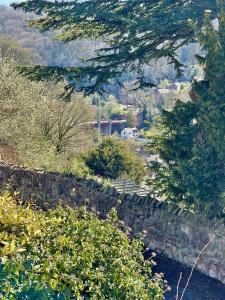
(6, 2)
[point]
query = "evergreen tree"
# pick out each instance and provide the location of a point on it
(193, 134)
(134, 31)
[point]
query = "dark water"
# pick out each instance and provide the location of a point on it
(201, 287)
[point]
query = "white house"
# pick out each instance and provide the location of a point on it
(129, 133)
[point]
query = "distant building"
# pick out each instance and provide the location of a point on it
(109, 127)
(129, 134)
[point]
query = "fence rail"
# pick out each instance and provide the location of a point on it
(128, 187)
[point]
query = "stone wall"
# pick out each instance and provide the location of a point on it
(177, 233)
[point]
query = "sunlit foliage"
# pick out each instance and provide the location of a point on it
(70, 254)
(113, 158)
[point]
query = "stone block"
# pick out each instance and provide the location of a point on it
(213, 272)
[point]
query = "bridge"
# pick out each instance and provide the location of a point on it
(108, 127)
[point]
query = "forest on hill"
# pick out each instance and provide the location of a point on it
(52, 52)
(13, 25)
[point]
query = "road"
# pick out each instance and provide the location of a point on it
(201, 287)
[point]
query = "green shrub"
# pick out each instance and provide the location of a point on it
(113, 158)
(69, 254)
(79, 168)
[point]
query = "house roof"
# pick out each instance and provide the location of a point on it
(129, 129)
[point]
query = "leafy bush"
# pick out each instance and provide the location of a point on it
(79, 168)
(114, 158)
(69, 254)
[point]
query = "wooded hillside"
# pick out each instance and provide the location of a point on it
(50, 52)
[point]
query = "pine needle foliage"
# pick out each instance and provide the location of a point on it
(192, 137)
(135, 32)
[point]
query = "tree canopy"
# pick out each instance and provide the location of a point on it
(193, 134)
(10, 48)
(113, 158)
(13, 24)
(135, 32)
(43, 130)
